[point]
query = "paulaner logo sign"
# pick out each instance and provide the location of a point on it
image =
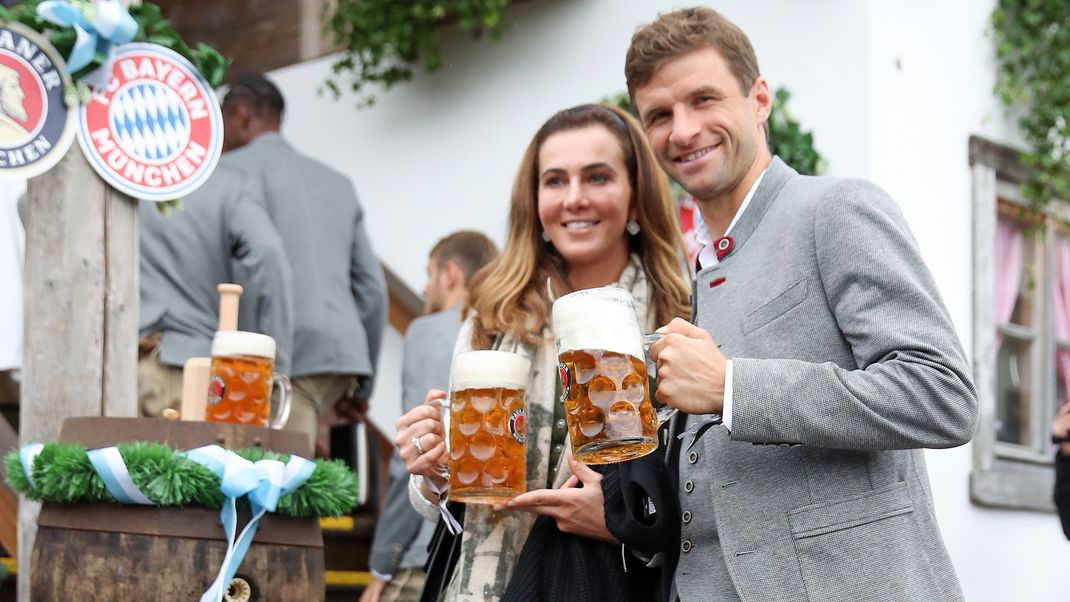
(156, 132)
(36, 129)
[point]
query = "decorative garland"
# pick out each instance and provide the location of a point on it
(62, 473)
(151, 27)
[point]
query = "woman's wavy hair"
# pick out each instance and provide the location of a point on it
(509, 294)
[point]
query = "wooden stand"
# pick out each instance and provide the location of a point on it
(122, 552)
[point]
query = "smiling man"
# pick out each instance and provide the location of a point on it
(818, 334)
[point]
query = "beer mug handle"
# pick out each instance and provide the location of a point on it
(664, 413)
(282, 416)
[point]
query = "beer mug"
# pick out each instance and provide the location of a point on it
(487, 425)
(241, 379)
(604, 376)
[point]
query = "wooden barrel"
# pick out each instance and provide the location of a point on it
(126, 552)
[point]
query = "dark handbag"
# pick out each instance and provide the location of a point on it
(442, 554)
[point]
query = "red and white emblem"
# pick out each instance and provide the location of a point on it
(156, 132)
(36, 129)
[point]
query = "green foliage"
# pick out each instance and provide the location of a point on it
(63, 474)
(152, 27)
(786, 137)
(383, 40)
(1033, 52)
(788, 140)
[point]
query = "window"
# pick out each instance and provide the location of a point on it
(1021, 332)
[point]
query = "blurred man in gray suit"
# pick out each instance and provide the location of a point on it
(818, 335)
(399, 549)
(339, 288)
(220, 233)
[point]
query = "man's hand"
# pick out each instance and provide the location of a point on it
(1060, 429)
(373, 591)
(690, 369)
(577, 510)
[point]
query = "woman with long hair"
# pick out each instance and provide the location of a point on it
(590, 208)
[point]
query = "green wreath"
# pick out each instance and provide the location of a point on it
(63, 474)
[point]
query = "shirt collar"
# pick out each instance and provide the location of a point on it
(708, 255)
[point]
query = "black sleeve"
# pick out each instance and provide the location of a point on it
(641, 506)
(1062, 491)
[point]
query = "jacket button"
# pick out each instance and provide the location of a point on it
(685, 547)
(692, 458)
(687, 516)
(689, 486)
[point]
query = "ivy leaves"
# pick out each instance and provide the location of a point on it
(384, 40)
(1033, 52)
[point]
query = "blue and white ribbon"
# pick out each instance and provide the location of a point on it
(98, 26)
(264, 482)
(27, 455)
(111, 467)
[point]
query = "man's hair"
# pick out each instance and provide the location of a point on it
(470, 250)
(681, 32)
(256, 91)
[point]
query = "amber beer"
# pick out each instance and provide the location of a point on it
(487, 426)
(241, 379)
(604, 376)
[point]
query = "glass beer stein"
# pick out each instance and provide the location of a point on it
(604, 377)
(241, 379)
(487, 426)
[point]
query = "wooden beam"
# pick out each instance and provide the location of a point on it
(405, 303)
(80, 299)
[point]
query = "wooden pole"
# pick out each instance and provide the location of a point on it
(81, 306)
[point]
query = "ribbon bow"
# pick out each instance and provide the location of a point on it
(264, 482)
(99, 27)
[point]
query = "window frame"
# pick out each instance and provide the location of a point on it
(1007, 475)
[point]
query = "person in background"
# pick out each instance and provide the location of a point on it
(1060, 435)
(340, 301)
(819, 338)
(589, 208)
(219, 233)
(399, 547)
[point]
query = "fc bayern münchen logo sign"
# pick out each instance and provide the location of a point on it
(156, 132)
(36, 129)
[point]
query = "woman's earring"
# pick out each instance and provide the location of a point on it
(546, 237)
(632, 227)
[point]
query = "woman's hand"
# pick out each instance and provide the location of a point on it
(421, 439)
(577, 510)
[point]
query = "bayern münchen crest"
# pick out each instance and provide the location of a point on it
(156, 132)
(36, 128)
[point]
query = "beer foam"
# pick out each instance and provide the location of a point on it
(598, 318)
(227, 343)
(488, 369)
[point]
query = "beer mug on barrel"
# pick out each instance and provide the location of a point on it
(604, 377)
(241, 379)
(487, 425)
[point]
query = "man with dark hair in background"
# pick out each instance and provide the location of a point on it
(339, 288)
(399, 549)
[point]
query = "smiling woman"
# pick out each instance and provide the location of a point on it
(589, 208)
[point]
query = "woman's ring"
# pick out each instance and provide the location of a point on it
(416, 443)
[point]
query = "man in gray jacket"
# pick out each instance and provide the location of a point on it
(818, 335)
(220, 233)
(399, 549)
(339, 288)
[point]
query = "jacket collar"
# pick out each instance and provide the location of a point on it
(776, 175)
